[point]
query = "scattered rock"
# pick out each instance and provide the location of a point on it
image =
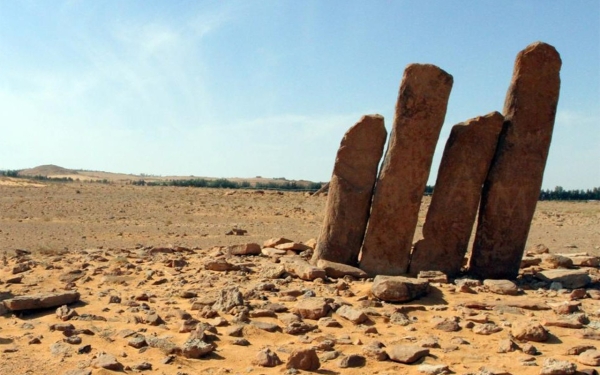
(553, 366)
(529, 331)
(303, 359)
(398, 288)
(107, 361)
(267, 358)
(589, 357)
(312, 308)
(41, 301)
(504, 287)
(245, 249)
(352, 361)
(406, 353)
(351, 314)
(570, 279)
(339, 270)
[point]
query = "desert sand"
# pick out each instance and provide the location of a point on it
(137, 252)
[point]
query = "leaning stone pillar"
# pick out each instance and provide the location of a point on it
(512, 187)
(419, 116)
(465, 164)
(350, 191)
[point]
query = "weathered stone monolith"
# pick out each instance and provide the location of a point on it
(419, 116)
(512, 187)
(451, 214)
(350, 191)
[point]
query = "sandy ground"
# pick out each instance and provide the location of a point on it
(108, 231)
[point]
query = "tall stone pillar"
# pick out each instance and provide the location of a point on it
(350, 191)
(419, 116)
(464, 167)
(513, 184)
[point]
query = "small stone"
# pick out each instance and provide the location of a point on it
(529, 331)
(304, 359)
(351, 314)
(576, 350)
(339, 270)
(138, 341)
(352, 361)
(448, 325)
(107, 361)
(245, 249)
(506, 346)
(267, 358)
(434, 369)
(486, 329)
(503, 287)
(406, 353)
(556, 367)
(312, 308)
(196, 348)
(398, 288)
(589, 357)
(265, 326)
(144, 366)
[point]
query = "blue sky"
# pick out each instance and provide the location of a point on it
(247, 88)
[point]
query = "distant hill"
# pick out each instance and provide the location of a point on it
(54, 171)
(49, 170)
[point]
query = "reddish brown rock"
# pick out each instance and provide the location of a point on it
(419, 116)
(350, 191)
(465, 163)
(41, 301)
(512, 187)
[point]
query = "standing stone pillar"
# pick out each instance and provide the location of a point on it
(512, 187)
(350, 191)
(419, 116)
(465, 164)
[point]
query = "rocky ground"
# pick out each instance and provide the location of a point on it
(113, 278)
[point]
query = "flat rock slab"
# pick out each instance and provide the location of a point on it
(504, 287)
(312, 308)
(41, 301)
(351, 314)
(570, 279)
(406, 353)
(398, 288)
(302, 269)
(339, 270)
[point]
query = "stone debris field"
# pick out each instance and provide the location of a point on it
(368, 277)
